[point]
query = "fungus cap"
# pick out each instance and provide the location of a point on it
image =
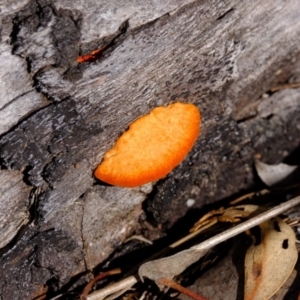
(152, 146)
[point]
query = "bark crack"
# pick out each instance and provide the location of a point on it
(82, 237)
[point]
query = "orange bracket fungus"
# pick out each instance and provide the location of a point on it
(152, 146)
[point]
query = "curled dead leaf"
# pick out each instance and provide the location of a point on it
(269, 263)
(237, 213)
(232, 214)
(273, 174)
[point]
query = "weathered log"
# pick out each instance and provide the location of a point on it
(58, 117)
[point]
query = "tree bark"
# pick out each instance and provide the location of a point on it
(58, 117)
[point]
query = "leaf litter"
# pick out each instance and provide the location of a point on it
(171, 266)
(268, 261)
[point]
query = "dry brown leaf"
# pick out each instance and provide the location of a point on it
(232, 214)
(273, 174)
(269, 264)
(236, 213)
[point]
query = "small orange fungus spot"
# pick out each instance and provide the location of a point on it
(152, 147)
(91, 56)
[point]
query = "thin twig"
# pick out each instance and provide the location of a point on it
(139, 238)
(285, 86)
(249, 196)
(192, 234)
(172, 284)
(271, 213)
(88, 287)
(123, 284)
(118, 294)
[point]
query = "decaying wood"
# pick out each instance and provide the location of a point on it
(15, 204)
(58, 117)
